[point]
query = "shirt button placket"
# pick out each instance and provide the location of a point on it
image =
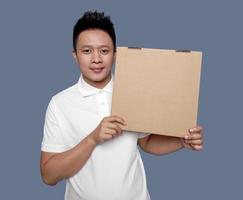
(102, 103)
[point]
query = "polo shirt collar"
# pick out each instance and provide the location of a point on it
(86, 89)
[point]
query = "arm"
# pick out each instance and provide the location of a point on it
(159, 144)
(58, 166)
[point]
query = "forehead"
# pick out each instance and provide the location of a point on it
(94, 37)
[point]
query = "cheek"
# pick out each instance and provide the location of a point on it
(83, 62)
(109, 60)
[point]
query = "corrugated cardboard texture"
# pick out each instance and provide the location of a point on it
(156, 91)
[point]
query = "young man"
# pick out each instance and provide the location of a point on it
(86, 146)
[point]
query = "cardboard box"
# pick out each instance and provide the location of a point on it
(156, 91)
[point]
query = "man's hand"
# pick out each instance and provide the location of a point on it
(110, 127)
(194, 139)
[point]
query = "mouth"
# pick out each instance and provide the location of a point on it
(97, 70)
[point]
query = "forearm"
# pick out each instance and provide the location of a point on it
(159, 144)
(66, 164)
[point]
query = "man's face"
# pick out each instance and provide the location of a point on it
(95, 56)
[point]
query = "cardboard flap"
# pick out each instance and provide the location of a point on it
(156, 91)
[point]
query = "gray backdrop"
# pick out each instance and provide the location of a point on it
(36, 63)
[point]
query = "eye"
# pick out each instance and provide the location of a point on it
(104, 51)
(86, 51)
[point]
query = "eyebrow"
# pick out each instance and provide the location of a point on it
(91, 46)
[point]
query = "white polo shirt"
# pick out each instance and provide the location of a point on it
(115, 169)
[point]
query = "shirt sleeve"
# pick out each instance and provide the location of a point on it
(53, 140)
(143, 135)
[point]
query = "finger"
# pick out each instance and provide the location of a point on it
(116, 126)
(110, 131)
(108, 136)
(197, 147)
(194, 142)
(194, 136)
(195, 129)
(115, 118)
(119, 127)
(112, 125)
(115, 130)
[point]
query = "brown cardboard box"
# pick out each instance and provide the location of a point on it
(156, 91)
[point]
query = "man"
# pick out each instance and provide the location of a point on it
(86, 146)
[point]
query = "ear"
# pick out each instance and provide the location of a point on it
(75, 55)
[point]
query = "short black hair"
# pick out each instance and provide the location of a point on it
(94, 20)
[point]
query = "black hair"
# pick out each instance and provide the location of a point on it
(94, 20)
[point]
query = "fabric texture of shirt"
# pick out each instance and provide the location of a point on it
(115, 170)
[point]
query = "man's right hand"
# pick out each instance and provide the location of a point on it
(110, 127)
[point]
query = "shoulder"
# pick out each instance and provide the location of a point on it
(69, 94)
(71, 90)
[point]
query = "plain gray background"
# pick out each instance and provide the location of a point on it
(36, 63)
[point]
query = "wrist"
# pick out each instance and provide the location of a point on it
(92, 140)
(182, 141)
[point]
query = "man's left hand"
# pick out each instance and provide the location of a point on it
(194, 139)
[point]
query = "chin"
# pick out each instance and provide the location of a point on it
(97, 77)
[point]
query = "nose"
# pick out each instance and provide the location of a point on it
(96, 57)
